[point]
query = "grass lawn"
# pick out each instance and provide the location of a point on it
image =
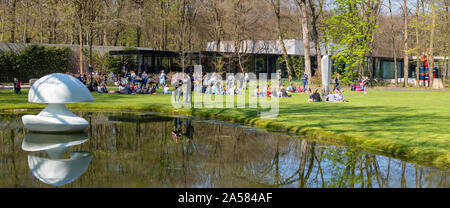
(411, 125)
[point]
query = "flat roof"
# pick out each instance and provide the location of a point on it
(152, 52)
(143, 52)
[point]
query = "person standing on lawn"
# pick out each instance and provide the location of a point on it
(162, 78)
(337, 82)
(305, 81)
(17, 86)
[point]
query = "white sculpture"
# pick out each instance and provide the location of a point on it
(56, 90)
(55, 170)
(326, 74)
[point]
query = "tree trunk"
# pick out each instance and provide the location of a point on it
(4, 8)
(315, 33)
(277, 10)
(80, 37)
(91, 39)
(138, 27)
(393, 46)
(25, 28)
(406, 61)
(138, 36)
(218, 26)
(431, 57)
(302, 4)
(444, 78)
(417, 45)
(12, 13)
(181, 35)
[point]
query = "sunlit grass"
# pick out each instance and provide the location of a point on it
(412, 125)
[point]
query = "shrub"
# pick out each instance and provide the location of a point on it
(33, 62)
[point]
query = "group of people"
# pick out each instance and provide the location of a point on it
(315, 96)
(141, 83)
(336, 96)
(95, 82)
(265, 92)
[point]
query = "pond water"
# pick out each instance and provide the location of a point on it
(148, 150)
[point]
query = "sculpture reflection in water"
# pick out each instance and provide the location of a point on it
(55, 170)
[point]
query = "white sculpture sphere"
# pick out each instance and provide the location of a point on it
(57, 89)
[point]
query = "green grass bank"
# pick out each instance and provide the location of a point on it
(410, 125)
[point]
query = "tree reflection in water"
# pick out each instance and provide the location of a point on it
(140, 150)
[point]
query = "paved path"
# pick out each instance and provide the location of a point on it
(3, 87)
(402, 89)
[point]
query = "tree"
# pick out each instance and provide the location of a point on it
(316, 12)
(393, 45)
(417, 44)
(306, 43)
(12, 16)
(239, 19)
(276, 5)
(405, 39)
(181, 34)
(351, 27)
(215, 14)
(80, 6)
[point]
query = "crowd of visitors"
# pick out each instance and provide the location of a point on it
(141, 83)
(128, 83)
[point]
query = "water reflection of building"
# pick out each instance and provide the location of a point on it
(56, 170)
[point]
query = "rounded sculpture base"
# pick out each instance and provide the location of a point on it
(55, 118)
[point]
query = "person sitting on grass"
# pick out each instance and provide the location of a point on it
(276, 93)
(339, 96)
(331, 98)
(315, 96)
(132, 88)
(283, 92)
(151, 89)
(298, 89)
(291, 88)
(308, 90)
(256, 93)
(166, 89)
(102, 88)
(121, 89)
(268, 92)
(127, 89)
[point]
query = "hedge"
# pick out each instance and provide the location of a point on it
(34, 61)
